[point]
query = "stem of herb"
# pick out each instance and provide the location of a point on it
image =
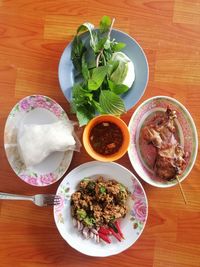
(108, 37)
(111, 26)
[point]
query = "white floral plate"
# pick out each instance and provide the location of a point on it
(41, 110)
(142, 155)
(132, 225)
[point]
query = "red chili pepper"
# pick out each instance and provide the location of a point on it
(104, 237)
(104, 230)
(117, 235)
(118, 228)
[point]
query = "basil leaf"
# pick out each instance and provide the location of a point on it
(87, 26)
(97, 78)
(84, 68)
(90, 58)
(94, 41)
(111, 103)
(118, 47)
(104, 24)
(77, 52)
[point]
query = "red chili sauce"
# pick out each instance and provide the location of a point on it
(106, 138)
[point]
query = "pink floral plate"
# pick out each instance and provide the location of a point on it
(142, 155)
(132, 225)
(40, 110)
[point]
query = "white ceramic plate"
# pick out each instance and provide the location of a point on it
(142, 155)
(132, 225)
(36, 109)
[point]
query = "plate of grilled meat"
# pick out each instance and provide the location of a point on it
(164, 141)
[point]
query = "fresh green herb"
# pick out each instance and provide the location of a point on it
(104, 24)
(113, 226)
(77, 52)
(118, 46)
(86, 179)
(111, 103)
(118, 89)
(122, 188)
(102, 189)
(91, 186)
(84, 68)
(89, 221)
(95, 65)
(81, 214)
(98, 75)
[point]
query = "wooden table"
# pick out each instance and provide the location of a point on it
(33, 36)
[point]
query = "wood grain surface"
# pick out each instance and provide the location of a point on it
(33, 35)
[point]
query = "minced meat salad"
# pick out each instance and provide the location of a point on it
(99, 202)
(106, 138)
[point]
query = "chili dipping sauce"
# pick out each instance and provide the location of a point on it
(106, 138)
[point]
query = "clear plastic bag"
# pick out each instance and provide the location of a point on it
(37, 141)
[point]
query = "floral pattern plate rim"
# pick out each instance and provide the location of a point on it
(35, 109)
(142, 155)
(132, 225)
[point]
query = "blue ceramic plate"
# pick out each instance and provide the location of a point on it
(133, 50)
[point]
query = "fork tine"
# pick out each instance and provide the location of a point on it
(52, 199)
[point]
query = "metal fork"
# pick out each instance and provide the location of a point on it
(39, 200)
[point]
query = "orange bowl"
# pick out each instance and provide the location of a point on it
(125, 133)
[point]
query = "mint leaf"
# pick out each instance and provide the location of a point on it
(118, 47)
(85, 114)
(97, 78)
(101, 43)
(111, 103)
(104, 24)
(80, 96)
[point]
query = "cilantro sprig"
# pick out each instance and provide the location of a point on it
(96, 92)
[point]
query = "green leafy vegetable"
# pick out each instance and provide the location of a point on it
(77, 52)
(122, 188)
(111, 103)
(118, 47)
(99, 73)
(85, 114)
(118, 89)
(84, 69)
(87, 26)
(89, 221)
(104, 24)
(97, 78)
